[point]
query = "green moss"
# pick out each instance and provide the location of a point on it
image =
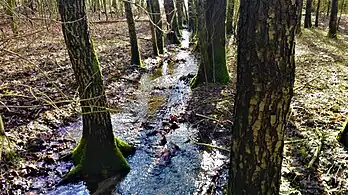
(124, 147)
(78, 152)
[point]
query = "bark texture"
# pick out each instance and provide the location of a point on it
(157, 19)
(135, 58)
(333, 20)
(212, 40)
(308, 16)
(265, 79)
(152, 27)
(229, 17)
(99, 156)
(299, 4)
(192, 18)
(172, 20)
(316, 23)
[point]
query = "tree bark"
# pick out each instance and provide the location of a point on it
(172, 20)
(152, 27)
(135, 58)
(181, 13)
(265, 79)
(299, 4)
(333, 20)
(316, 24)
(192, 16)
(308, 16)
(328, 7)
(97, 155)
(229, 20)
(343, 137)
(212, 40)
(158, 21)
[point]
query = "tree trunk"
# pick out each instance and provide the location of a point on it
(299, 4)
(135, 58)
(308, 16)
(317, 15)
(192, 12)
(158, 21)
(212, 40)
(341, 11)
(181, 15)
(333, 20)
(97, 156)
(152, 27)
(172, 19)
(265, 79)
(328, 7)
(229, 20)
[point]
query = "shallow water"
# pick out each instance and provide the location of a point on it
(176, 167)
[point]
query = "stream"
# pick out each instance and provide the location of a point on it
(167, 160)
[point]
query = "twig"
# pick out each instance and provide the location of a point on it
(311, 80)
(207, 117)
(212, 146)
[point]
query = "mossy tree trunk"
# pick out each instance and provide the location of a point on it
(97, 155)
(9, 7)
(333, 20)
(316, 23)
(212, 40)
(172, 19)
(299, 4)
(229, 17)
(152, 27)
(308, 16)
(135, 54)
(157, 19)
(265, 79)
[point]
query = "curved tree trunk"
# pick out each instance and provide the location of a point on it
(316, 24)
(212, 40)
(172, 20)
(308, 16)
(135, 58)
(229, 17)
(299, 4)
(265, 79)
(97, 152)
(333, 20)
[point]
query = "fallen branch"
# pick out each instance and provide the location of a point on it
(207, 117)
(212, 146)
(317, 152)
(117, 21)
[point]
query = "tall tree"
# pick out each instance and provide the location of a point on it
(229, 16)
(316, 24)
(97, 155)
(299, 4)
(157, 19)
(135, 58)
(308, 16)
(265, 79)
(333, 19)
(181, 13)
(152, 27)
(192, 15)
(172, 20)
(212, 40)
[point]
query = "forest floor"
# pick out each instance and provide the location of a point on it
(38, 97)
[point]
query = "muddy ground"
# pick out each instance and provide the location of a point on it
(38, 98)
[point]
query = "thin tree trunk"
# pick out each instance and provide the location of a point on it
(317, 15)
(229, 17)
(181, 15)
(328, 8)
(192, 15)
(152, 27)
(172, 20)
(308, 16)
(135, 58)
(341, 11)
(158, 21)
(96, 153)
(212, 40)
(265, 79)
(333, 20)
(299, 15)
